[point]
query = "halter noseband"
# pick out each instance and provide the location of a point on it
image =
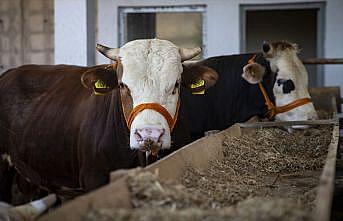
(156, 107)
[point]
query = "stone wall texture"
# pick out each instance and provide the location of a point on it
(26, 32)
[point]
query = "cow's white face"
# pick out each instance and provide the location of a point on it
(152, 72)
(149, 75)
(291, 80)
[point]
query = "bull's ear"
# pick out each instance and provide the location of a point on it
(253, 73)
(101, 80)
(197, 78)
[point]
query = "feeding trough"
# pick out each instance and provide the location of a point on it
(202, 154)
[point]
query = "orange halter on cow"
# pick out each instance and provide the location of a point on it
(273, 110)
(156, 107)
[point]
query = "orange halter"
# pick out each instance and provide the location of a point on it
(274, 110)
(156, 107)
(152, 106)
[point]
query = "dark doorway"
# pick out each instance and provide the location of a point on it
(141, 25)
(294, 25)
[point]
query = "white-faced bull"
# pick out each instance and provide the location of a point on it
(65, 128)
(273, 85)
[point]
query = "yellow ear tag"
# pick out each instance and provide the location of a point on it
(100, 84)
(199, 83)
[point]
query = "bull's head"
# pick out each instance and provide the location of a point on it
(149, 78)
(291, 82)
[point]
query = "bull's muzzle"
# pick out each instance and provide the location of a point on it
(149, 138)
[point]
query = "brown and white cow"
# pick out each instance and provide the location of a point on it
(64, 128)
(284, 61)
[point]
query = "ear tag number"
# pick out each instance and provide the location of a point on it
(199, 83)
(100, 84)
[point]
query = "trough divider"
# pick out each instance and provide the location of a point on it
(327, 181)
(287, 123)
(112, 195)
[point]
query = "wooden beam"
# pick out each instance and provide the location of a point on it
(288, 123)
(326, 185)
(311, 61)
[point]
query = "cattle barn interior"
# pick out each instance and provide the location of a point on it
(261, 169)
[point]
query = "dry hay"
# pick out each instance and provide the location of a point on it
(269, 162)
(249, 209)
(267, 175)
(147, 192)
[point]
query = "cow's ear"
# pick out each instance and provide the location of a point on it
(101, 80)
(197, 78)
(253, 73)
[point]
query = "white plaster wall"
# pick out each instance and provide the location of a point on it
(219, 41)
(222, 16)
(71, 32)
(223, 24)
(334, 42)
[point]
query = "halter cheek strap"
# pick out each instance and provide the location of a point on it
(273, 110)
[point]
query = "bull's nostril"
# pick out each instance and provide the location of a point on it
(138, 136)
(149, 135)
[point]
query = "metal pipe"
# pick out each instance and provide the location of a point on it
(311, 61)
(288, 123)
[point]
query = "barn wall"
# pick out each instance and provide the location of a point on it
(10, 34)
(26, 32)
(71, 31)
(334, 42)
(223, 26)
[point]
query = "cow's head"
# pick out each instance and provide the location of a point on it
(149, 77)
(291, 83)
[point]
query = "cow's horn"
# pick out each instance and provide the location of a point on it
(31, 211)
(189, 53)
(111, 53)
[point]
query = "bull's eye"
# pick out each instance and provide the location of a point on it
(177, 84)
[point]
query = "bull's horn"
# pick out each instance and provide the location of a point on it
(111, 53)
(189, 53)
(31, 211)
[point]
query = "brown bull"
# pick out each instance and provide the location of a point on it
(60, 134)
